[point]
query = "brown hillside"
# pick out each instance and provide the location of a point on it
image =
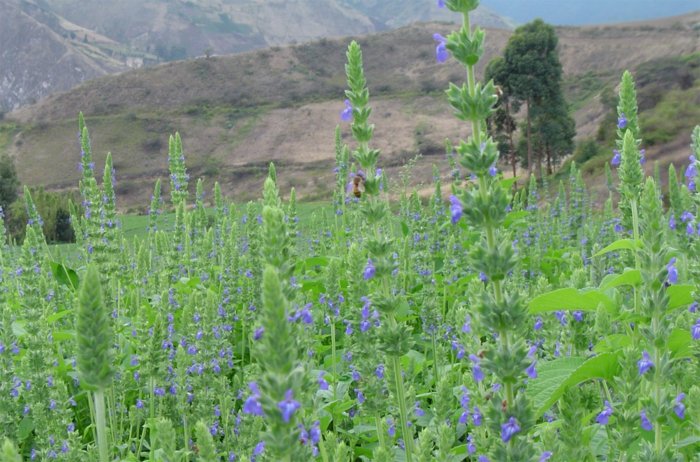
(238, 113)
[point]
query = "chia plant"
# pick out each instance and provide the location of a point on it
(484, 203)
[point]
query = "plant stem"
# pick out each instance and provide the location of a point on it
(101, 425)
(403, 414)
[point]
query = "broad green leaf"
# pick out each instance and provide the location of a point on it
(515, 217)
(570, 299)
(26, 427)
(316, 261)
(631, 277)
(555, 377)
(679, 296)
(680, 343)
(18, 329)
(622, 244)
(64, 275)
(62, 335)
(58, 316)
(613, 343)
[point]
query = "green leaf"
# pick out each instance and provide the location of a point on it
(679, 296)
(631, 277)
(515, 217)
(62, 335)
(680, 343)
(570, 299)
(613, 343)
(26, 427)
(404, 229)
(555, 377)
(689, 441)
(65, 275)
(622, 244)
(58, 316)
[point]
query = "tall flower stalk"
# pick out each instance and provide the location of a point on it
(94, 362)
(484, 204)
(395, 337)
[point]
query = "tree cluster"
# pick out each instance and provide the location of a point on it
(529, 73)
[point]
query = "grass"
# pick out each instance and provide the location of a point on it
(678, 111)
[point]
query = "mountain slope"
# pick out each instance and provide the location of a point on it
(238, 113)
(36, 60)
(53, 45)
(178, 29)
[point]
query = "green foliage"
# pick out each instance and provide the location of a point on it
(531, 73)
(8, 182)
(54, 210)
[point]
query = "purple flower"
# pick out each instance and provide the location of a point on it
(509, 429)
(456, 209)
(417, 411)
(695, 330)
(322, 384)
(288, 405)
(672, 271)
(578, 315)
(258, 450)
(622, 121)
(369, 271)
(605, 414)
(493, 171)
(257, 335)
(346, 114)
(645, 363)
(531, 371)
(471, 447)
(672, 222)
(441, 53)
(691, 171)
(477, 417)
(441, 3)
(646, 423)
(252, 404)
(615, 162)
(679, 407)
(545, 456)
(379, 371)
(483, 459)
(538, 323)
(391, 428)
(476, 369)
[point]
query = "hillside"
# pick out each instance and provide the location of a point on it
(53, 45)
(237, 113)
(44, 53)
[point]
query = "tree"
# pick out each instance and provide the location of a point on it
(531, 73)
(8, 182)
(554, 132)
(502, 124)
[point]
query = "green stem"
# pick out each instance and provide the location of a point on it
(658, 435)
(101, 424)
(635, 235)
(403, 414)
(380, 433)
(335, 365)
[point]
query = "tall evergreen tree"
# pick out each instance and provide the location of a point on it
(531, 74)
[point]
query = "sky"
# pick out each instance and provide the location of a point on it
(577, 12)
